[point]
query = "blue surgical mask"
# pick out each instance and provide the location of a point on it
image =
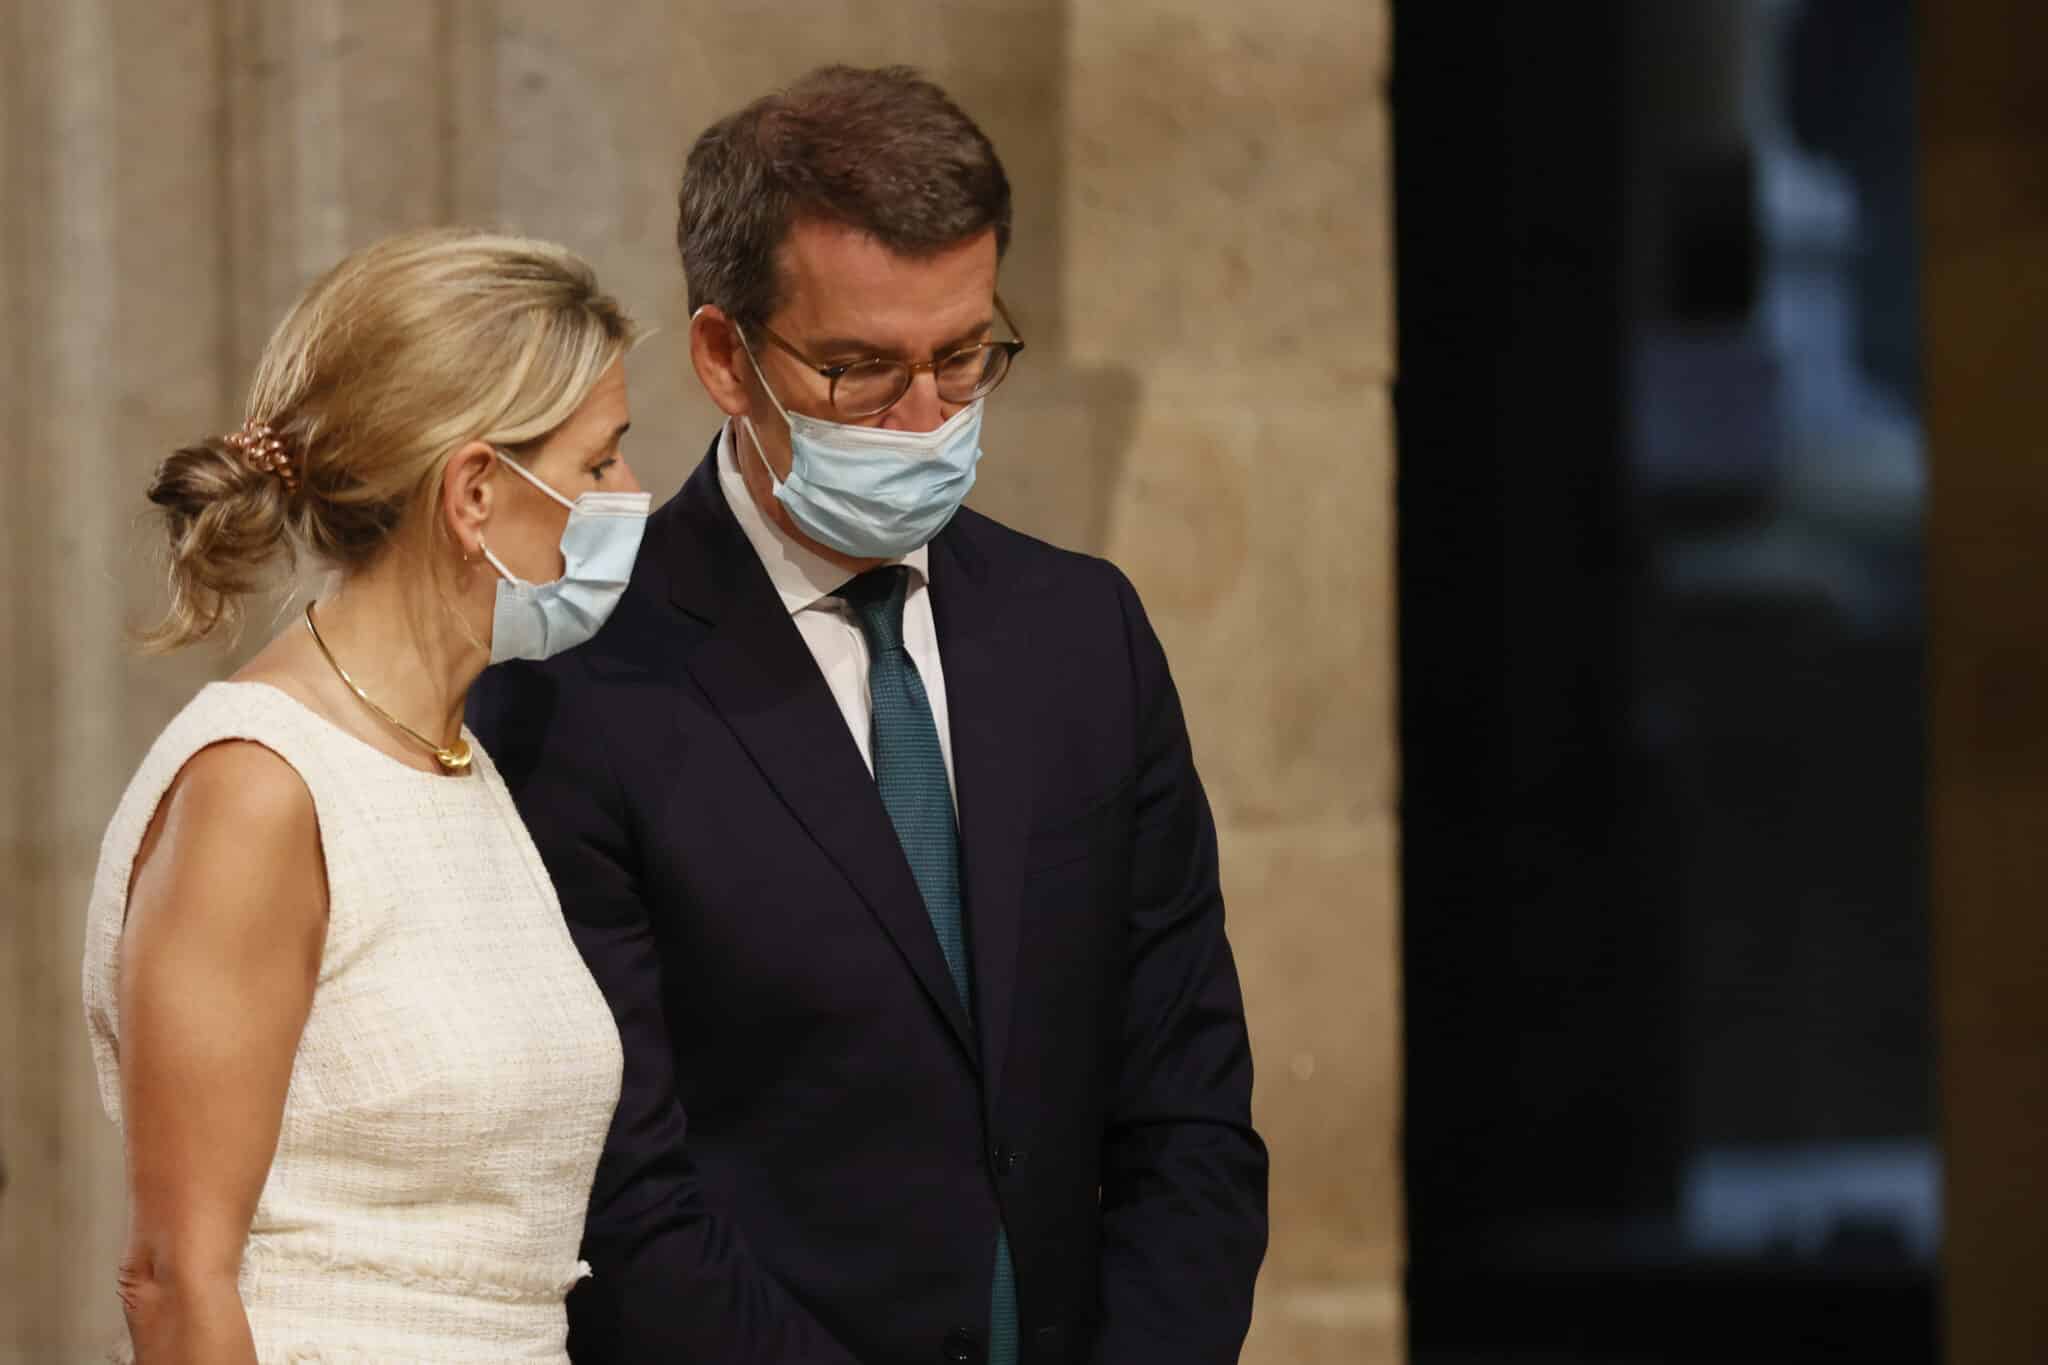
(599, 545)
(867, 491)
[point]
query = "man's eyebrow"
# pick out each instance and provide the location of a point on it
(966, 338)
(857, 348)
(847, 346)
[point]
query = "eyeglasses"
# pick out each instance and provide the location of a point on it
(867, 388)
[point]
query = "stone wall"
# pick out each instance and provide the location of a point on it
(1201, 269)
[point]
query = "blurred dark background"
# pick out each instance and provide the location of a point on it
(1670, 1085)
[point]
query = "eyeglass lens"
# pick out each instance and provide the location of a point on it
(872, 385)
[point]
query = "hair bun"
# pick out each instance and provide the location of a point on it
(225, 522)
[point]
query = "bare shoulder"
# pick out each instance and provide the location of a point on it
(241, 787)
(236, 838)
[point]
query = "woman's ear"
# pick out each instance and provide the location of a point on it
(467, 487)
(721, 363)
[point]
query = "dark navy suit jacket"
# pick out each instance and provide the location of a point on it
(814, 1141)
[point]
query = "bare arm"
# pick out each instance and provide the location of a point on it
(227, 913)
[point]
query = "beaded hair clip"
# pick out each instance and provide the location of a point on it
(264, 450)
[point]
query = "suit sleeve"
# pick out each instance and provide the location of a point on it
(1183, 1171)
(672, 1277)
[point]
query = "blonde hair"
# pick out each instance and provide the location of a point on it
(393, 360)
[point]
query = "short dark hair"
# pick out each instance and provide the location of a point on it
(882, 150)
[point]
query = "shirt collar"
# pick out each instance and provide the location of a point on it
(803, 578)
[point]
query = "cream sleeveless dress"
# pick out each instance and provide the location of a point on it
(456, 1076)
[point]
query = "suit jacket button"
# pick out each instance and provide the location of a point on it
(963, 1345)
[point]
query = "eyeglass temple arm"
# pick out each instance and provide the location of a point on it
(1009, 322)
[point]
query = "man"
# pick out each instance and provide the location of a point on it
(877, 823)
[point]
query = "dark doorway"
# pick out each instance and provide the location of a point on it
(1666, 971)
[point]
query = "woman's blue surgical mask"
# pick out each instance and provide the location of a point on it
(599, 545)
(867, 491)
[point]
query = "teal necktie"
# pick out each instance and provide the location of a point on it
(910, 769)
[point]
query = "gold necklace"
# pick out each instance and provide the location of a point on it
(454, 758)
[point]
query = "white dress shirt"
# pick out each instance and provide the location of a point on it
(805, 581)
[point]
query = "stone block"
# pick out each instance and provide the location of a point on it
(1261, 540)
(1230, 213)
(1313, 916)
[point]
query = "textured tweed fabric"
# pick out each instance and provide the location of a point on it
(911, 772)
(456, 1075)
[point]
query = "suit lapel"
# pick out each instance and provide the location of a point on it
(761, 678)
(982, 698)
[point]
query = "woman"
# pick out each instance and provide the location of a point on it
(362, 1074)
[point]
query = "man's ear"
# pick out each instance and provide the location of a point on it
(721, 364)
(467, 487)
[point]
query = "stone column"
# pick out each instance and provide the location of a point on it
(1227, 236)
(105, 195)
(175, 171)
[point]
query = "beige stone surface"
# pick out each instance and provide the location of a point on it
(73, 218)
(1327, 1023)
(1202, 272)
(1230, 177)
(1261, 538)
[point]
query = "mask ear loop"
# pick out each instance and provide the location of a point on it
(499, 565)
(747, 419)
(753, 363)
(523, 472)
(534, 479)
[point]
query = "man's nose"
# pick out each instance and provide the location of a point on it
(919, 409)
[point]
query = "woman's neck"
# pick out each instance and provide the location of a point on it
(413, 655)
